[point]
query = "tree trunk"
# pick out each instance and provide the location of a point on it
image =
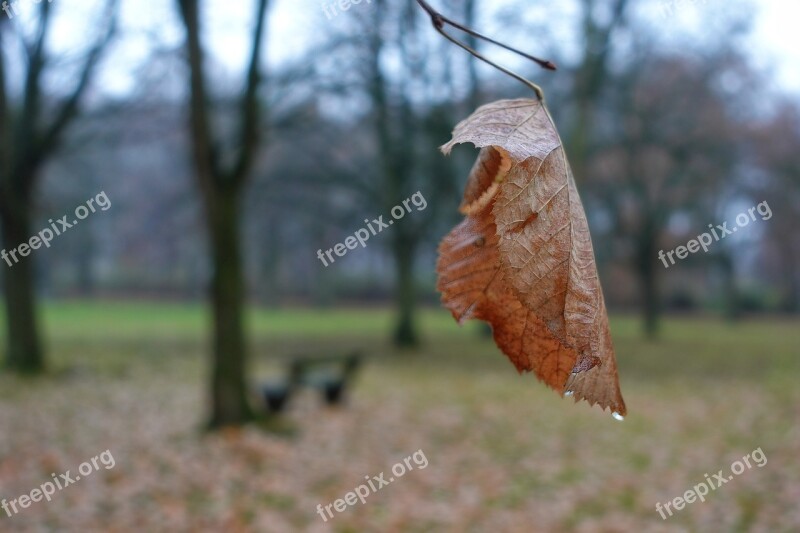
(229, 386)
(405, 333)
(651, 305)
(24, 350)
(648, 276)
(791, 303)
(84, 264)
(731, 301)
(579, 140)
(270, 264)
(222, 190)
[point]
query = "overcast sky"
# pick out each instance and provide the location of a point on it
(294, 24)
(776, 36)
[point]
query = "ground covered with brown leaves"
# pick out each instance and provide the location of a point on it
(503, 452)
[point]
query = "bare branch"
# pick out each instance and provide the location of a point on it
(69, 109)
(250, 114)
(439, 21)
(204, 151)
(33, 92)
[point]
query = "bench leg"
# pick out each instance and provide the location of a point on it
(334, 393)
(277, 400)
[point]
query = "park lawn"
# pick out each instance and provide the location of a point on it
(171, 320)
(504, 453)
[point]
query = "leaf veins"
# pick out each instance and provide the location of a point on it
(533, 277)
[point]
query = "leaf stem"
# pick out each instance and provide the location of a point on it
(440, 21)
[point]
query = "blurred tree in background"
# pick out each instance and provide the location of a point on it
(221, 178)
(33, 123)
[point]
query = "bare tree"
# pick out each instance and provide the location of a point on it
(221, 187)
(776, 144)
(591, 74)
(403, 129)
(28, 138)
(670, 141)
(407, 131)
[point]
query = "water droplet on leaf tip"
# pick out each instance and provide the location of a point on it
(617, 416)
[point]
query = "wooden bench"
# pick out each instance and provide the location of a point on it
(329, 375)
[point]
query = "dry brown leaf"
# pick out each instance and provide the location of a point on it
(522, 260)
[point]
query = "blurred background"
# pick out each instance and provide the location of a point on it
(223, 145)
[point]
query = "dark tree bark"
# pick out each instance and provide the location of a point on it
(24, 350)
(394, 125)
(791, 303)
(26, 143)
(647, 265)
(590, 77)
(405, 333)
(730, 295)
(221, 189)
(86, 275)
(270, 263)
(227, 295)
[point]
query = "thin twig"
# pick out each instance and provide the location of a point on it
(439, 21)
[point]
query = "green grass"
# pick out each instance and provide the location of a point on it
(704, 348)
(133, 319)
